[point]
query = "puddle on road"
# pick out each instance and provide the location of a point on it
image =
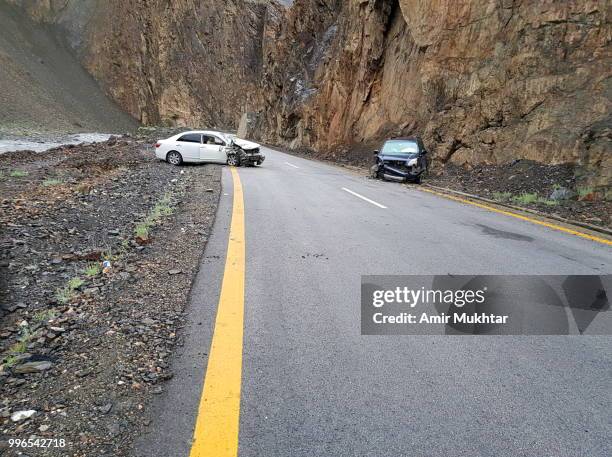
(503, 234)
(42, 144)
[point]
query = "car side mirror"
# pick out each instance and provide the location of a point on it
(376, 152)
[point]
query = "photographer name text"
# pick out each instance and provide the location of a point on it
(414, 297)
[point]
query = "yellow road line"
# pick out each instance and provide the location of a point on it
(520, 216)
(216, 430)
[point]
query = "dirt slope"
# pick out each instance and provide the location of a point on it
(44, 88)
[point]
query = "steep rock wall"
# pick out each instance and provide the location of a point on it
(480, 80)
(183, 63)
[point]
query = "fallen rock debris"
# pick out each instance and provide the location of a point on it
(86, 326)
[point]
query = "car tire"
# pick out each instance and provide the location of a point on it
(174, 158)
(233, 160)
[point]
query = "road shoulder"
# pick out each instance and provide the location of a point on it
(172, 415)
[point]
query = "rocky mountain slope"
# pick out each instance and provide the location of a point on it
(482, 81)
(186, 62)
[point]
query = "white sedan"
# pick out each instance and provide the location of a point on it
(210, 147)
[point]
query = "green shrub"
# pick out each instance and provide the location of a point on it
(93, 269)
(584, 191)
(75, 283)
(502, 196)
(25, 336)
(161, 209)
(142, 230)
(44, 315)
(546, 201)
(52, 182)
(19, 347)
(525, 198)
(10, 361)
(64, 295)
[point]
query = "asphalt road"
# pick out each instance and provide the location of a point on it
(312, 385)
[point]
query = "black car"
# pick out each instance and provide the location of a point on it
(401, 160)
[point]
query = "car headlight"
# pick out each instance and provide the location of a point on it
(412, 162)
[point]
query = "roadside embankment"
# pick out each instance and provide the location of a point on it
(549, 189)
(98, 247)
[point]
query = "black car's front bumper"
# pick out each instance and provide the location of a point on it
(399, 172)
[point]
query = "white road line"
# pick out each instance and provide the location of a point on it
(291, 165)
(363, 198)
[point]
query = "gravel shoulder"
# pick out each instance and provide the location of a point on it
(549, 189)
(85, 345)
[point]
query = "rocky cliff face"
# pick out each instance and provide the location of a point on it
(183, 63)
(481, 80)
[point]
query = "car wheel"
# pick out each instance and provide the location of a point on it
(174, 158)
(232, 160)
(418, 180)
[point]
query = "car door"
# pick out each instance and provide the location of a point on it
(189, 146)
(212, 149)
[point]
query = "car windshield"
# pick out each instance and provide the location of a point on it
(400, 147)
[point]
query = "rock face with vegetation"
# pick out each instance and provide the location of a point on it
(482, 81)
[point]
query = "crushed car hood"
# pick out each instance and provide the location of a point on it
(246, 145)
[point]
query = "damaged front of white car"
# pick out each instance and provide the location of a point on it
(246, 152)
